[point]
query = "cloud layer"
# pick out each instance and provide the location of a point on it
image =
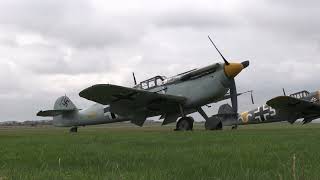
(51, 48)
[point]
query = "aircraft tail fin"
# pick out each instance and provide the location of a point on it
(225, 109)
(62, 105)
(225, 116)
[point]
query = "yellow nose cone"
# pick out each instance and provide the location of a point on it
(233, 69)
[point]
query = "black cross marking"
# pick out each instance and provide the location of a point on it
(262, 112)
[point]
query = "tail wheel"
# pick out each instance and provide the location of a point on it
(185, 124)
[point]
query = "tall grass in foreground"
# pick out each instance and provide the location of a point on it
(277, 151)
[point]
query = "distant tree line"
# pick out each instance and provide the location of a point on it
(26, 123)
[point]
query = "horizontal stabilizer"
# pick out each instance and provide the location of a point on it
(51, 113)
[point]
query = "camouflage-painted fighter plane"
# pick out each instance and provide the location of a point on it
(170, 98)
(300, 105)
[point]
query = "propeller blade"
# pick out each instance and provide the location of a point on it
(252, 97)
(284, 92)
(234, 96)
(224, 59)
(134, 78)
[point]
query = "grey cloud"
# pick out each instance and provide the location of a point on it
(10, 80)
(77, 62)
(195, 19)
(73, 22)
(83, 44)
(55, 58)
(287, 18)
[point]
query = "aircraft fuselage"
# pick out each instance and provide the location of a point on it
(95, 114)
(200, 91)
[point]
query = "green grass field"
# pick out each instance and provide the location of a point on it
(271, 151)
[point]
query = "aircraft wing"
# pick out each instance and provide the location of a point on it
(135, 103)
(291, 104)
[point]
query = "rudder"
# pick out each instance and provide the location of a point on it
(64, 103)
(225, 109)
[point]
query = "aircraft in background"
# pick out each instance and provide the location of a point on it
(66, 114)
(301, 105)
(171, 98)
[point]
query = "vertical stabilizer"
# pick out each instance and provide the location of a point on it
(225, 109)
(64, 103)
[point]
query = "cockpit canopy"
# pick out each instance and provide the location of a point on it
(300, 94)
(151, 83)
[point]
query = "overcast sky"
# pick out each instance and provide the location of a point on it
(50, 48)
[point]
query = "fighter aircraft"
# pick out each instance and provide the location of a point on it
(171, 98)
(66, 114)
(299, 105)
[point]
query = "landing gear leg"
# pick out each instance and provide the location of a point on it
(235, 127)
(185, 124)
(203, 114)
(74, 129)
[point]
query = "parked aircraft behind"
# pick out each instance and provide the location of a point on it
(300, 105)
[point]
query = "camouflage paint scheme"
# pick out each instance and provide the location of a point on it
(268, 114)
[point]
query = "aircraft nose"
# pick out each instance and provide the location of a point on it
(233, 69)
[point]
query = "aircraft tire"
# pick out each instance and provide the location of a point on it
(74, 129)
(184, 124)
(213, 125)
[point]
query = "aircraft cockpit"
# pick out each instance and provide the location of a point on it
(151, 83)
(300, 94)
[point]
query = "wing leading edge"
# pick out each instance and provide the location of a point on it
(293, 104)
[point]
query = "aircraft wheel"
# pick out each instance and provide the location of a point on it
(213, 125)
(185, 124)
(74, 129)
(234, 127)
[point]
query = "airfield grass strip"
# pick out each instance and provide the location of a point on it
(278, 151)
